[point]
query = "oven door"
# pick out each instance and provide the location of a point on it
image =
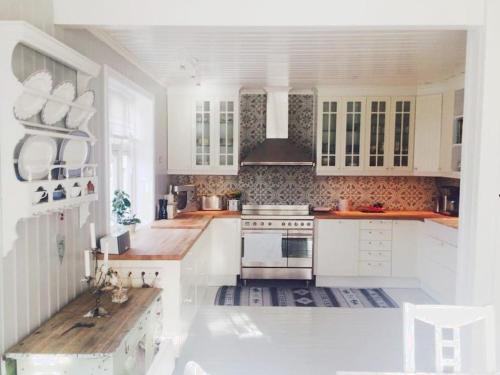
(265, 248)
(300, 248)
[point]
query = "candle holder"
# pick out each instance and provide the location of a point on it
(97, 287)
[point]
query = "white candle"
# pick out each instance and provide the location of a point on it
(87, 263)
(106, 256)
(92, 236)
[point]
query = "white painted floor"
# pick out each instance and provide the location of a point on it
(300, 340)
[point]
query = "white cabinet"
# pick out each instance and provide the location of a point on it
(402, 131)
(352, 133)
(377, 129)
(225, 255)
(428, 135)
(405, 237)
(337, 243)
(203, 131)
(365, 135)
(437, 261)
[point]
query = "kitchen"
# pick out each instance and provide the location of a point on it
(255, 167)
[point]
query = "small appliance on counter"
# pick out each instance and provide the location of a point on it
(117, 243)
(186, 198)
(448, 200)
(233, 200)
(212, 202)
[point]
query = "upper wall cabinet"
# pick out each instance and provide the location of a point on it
(365, 136)
(203, 131)
(428, 135)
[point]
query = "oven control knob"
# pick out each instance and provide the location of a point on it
(289, 224)
(283, 224)
(301, 224)
(296, 224)
(261, 223)
(247, 223)
(308, 224)
(254, 223)
(269, 223)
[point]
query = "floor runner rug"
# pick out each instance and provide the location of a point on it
(305, 297)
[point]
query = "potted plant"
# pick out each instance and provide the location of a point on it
(121, 209)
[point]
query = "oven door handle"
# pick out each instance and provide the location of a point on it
(282, 232)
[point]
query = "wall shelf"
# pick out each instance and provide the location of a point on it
(20, 200)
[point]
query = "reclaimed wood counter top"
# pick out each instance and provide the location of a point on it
(387, 215)
(59, 335)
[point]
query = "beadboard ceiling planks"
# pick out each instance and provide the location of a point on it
(298, 57)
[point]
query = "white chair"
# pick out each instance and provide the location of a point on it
(192, 368)
(451, 318)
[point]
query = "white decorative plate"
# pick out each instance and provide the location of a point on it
(54, 111)
(37, 154)
(75, 152)
(29, 104)
(76, 115)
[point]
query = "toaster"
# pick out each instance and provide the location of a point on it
(117, 243)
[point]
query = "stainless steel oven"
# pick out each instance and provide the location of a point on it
(276, 245)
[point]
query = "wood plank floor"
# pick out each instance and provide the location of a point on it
(299, 340)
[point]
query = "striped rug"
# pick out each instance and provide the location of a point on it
(306, 297)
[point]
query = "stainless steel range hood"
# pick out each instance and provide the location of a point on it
(277, 149)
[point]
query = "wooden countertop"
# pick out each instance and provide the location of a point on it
(170, 239)
(55, 336)
(387, 215)
(451, 222)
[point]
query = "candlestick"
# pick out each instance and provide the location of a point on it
(93, 244)
(87, 263)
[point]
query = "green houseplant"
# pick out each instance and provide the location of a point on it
(121, 209)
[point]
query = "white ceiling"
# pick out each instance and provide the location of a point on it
(297, 57)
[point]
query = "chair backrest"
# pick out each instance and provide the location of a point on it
(192, 368)
(448, 348)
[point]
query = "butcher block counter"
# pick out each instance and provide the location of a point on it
(451, 222)
(170, 239)
(387, 215)
(105, 345)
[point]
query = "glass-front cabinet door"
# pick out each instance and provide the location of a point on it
(203, 130)
(226, 133)
(352, 129)
(329, 115)
(377, 133)
(403, 119)
(216, 135)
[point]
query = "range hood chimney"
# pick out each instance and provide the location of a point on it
(277, 149)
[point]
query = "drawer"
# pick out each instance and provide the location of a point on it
(376, 224)
(375, 235)
(374, 268)
(375, 245)
(380, 256)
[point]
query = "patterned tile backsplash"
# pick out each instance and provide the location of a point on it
(300, 185)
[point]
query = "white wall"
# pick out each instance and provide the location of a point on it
(33, 282)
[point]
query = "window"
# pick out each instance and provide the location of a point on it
(130, 147)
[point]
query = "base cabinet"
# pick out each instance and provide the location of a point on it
(366, 253)
(437, 262)
(405, 235)
(225, 258)
(337, 248)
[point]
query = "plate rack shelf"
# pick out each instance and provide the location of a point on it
(66, 186)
